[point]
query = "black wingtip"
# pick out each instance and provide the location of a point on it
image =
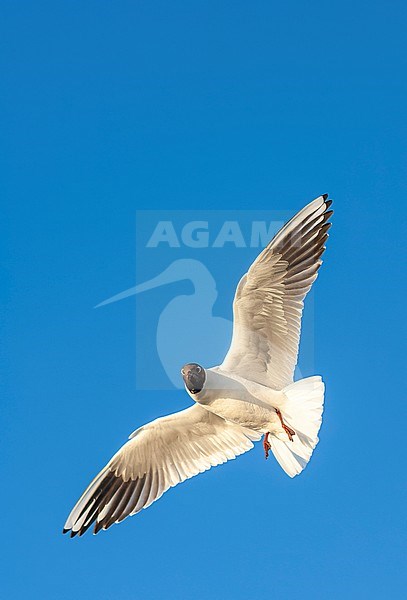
(98, 527)
(64, 531)
(325, 196)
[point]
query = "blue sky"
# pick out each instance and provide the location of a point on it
(109, 108)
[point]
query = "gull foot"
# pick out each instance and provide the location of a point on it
(266, 446)
(290, 432)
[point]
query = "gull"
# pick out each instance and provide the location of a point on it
(249, 396)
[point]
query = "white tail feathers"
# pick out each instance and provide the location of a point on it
(302, 411)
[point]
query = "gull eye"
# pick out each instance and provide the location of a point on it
(198, 369)
(182, 372)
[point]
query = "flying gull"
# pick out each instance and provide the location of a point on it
(250, 395)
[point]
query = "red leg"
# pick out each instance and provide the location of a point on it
(266, 445)
(290, 432)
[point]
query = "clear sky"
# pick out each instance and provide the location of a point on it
(112, 107)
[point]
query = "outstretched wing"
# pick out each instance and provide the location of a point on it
(157, 456)
(269, 299)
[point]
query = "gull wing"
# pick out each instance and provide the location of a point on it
(157, 456)
(269, 299)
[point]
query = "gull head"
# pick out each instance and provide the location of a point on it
(194, 377)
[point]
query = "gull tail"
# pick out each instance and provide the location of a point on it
(302, 411)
